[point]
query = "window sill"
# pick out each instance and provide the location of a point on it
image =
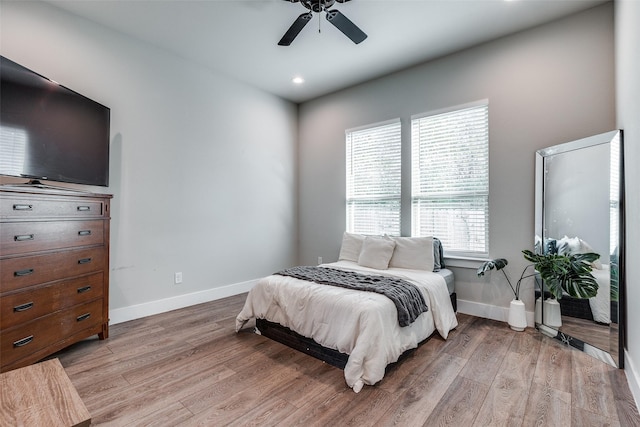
(463, 262)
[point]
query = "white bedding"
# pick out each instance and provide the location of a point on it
(361, 324)
(601, 303)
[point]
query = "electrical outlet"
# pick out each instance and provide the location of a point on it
(177, 278)
(319, 260)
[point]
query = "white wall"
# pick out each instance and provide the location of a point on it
(545, 86)
(202, 167)
(627, 20)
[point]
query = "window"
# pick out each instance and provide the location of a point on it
(450, 178)
(373, 179)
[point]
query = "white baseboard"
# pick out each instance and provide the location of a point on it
(150, 308)
(120, 315)
(632, 378)
(492, 312)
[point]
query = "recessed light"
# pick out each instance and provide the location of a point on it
(297, 80)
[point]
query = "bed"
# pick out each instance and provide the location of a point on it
(362, 326)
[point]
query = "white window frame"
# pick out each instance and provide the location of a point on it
(463, 223)
(372, 182)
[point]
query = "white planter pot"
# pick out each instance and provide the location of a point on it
(517, 315)
(551, 313)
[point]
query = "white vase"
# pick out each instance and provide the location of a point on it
(517, 315)
(551, 313)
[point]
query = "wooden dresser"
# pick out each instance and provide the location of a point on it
(54, 271)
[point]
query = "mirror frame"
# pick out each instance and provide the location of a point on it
(615, 356)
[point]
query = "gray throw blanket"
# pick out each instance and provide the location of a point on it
(407, 297)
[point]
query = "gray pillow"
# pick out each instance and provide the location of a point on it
(438, 255)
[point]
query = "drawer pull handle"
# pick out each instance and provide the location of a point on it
(84, 233)
(84, 289)
(23, 237)
(84, 261)
(22, 207)
(23, 307)
(25, 272)
(84, 208)
(83, 317)
(23, 341)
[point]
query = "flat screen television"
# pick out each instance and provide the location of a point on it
(50, 132)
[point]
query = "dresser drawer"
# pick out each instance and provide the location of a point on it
(22, 206)
(19, 342)
(21, 307)
(24, 237)
(20, 272)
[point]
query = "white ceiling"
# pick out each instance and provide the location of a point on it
(239, 37)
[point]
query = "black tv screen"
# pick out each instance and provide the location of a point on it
(50, 132)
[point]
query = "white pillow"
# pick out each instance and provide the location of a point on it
(413, 252)
(585, 248)
(568, 245)
(575, 245)
(351, 246)
(376, 252)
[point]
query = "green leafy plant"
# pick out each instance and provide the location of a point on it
(568, 273)
(499, 264)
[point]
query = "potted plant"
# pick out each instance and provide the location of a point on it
(570, 274)
(517, 315)
(566, 273)
(561, 273)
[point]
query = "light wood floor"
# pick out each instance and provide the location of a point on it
(189, 367)
(605, 337)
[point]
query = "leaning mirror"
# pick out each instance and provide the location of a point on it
(579, 209)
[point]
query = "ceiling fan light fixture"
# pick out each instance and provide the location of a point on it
(334, 16)
(297, 80)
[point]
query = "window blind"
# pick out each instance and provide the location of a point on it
(373, 179)
(450, 179)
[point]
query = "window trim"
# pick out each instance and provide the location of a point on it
(478, 103)
(372, 125)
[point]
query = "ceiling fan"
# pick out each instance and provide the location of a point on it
(334, 16)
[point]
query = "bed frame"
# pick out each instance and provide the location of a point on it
(308, 346)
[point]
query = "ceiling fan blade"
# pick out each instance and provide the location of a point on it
(345, 25)
(295, 29)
